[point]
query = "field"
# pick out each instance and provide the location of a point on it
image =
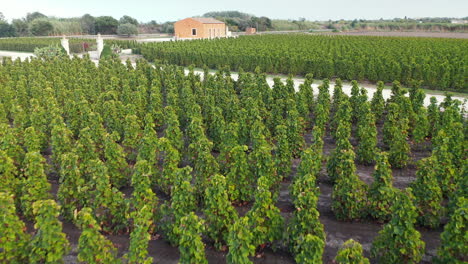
(440, 63)
(144, 164)
(424, 34)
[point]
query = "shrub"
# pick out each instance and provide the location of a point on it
(428, 194)
(240, 242)
(351, 253)
(367, 135)
(14, 240)
(93, 247)
(220, 215)
(49, 245)
(310, 250)
(192, 249)
(381, 193)
(50, 52)
(454, 248)
(399, 241)
(265, 218)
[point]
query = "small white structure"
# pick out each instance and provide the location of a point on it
(100, 45)
(65, 44)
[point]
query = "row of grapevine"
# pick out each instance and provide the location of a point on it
(439, 63)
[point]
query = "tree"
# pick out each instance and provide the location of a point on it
(428, 194)
(93, 247)
(381, 193)
(351, 253)
(106, 25)
(20, 26)
(240, 242)
(6, 30)
(191, 247)
(128, 20)
(453, 247)
(88, 24)
(127, 30)
(33, 16)
(14, 240)
(40, 27)
(219, 213)
(50, 244)
(399, 241)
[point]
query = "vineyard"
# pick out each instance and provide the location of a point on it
(122, 163)
(440, 63)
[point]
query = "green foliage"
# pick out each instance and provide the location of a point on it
(428, 194)
(40, 27)
(93, 247)
(343, 153)
(109, 205)
(382, 193)
(49, 245)
(351, 253)
(72, 192)
(367, 135)
(182, 203)
(127, 30)
(364, 57)
(219, 213)
(50, 52)
(310, 250)
(399, 241)
(192, 249)
(265, 218)
(240, 242)
(421, 129)
(349, 197)
(453, 247)
(305, 221)
(14, 240)
(283, 152)
(115, 161)
(140, 236)
(398, 154)
(239, 176)
(9, 181)
(35, 186)
(378, 102)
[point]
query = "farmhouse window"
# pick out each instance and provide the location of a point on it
(194, 31)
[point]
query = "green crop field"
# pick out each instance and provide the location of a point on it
(441, 64)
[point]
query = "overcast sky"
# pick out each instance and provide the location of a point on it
(170, 10)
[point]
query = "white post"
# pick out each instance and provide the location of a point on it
(100, 45)
(65, 45)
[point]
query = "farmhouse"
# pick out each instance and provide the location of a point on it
(199, 27)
